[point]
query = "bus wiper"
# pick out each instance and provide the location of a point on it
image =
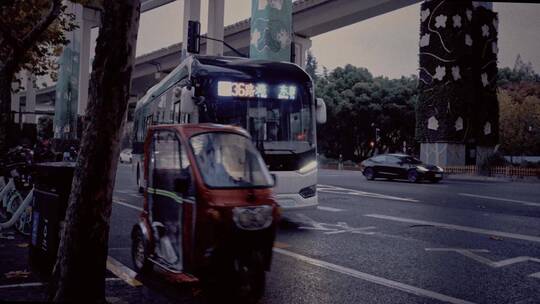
(286, 150)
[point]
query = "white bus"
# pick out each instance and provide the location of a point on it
(273, 101)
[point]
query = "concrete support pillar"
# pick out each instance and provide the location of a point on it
(216, 12)
(271, 28)
(30, 99)
(192, 11)
(457, 109)
(72, 85)
(301, 46)
(88, 18)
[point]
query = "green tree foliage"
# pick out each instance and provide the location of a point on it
(357, 104)
(47, 22)
(311, 66)
(519, 122)
(30, 32)
(520, 72)
(519, 104)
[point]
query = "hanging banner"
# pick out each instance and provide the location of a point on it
(67, 90)
(271, 24)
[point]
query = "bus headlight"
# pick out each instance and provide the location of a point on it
(253, 218)
(310, 166)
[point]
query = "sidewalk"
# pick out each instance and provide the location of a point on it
(18, 283)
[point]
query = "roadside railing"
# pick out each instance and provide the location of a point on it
(509, 171)
(494, 171)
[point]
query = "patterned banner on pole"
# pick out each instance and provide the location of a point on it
(271, 23)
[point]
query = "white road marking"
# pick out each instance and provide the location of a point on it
(37, 284)
(33, 284)
(340, 190)
(535, 275)
(127, 205)
(471, 253)
(328, 228)
(458, 227)
(501, 199)
(122, 271)
(515, 260)
(373, 279)
(329, 209)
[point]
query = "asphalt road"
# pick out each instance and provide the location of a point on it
(388, 242)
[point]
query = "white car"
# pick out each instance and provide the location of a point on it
(125, 156)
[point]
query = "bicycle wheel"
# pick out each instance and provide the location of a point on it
(24, 223)
(14, 202)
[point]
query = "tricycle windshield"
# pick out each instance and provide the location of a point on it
(228, 160)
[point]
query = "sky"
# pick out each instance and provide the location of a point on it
(387, 45)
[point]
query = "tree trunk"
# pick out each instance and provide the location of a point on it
(79, 273)
(5, 109)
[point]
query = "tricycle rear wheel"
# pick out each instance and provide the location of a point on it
(139, 252)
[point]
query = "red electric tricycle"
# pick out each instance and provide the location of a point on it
(209, 211)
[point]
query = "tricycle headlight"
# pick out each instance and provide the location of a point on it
(253, 218)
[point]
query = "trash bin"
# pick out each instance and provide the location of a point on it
(52, 186)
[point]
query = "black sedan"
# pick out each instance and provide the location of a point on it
(400, 166)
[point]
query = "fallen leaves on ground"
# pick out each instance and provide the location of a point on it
(496, 238)
(17, 274)
(22, 245)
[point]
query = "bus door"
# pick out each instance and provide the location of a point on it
(169, 163)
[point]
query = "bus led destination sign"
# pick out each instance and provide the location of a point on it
(251, 90)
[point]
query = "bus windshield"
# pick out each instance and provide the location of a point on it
(278, 126)
(228, 160)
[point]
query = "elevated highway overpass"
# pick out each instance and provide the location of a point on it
(310, 18)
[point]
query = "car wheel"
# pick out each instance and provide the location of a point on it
(412, 176)
(369, 173)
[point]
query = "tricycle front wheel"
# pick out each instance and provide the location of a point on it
(250, 277)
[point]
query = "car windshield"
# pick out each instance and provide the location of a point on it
(410, 160)
(228, 160)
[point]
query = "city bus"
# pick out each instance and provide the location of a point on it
(273, 101)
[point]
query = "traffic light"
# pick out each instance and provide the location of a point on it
(194, 40)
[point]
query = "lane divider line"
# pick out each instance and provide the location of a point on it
(373, 279)
(501, 199)
(123, 272)
(324, 208)
(517, 236)
(347, 191)
(127, 205)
